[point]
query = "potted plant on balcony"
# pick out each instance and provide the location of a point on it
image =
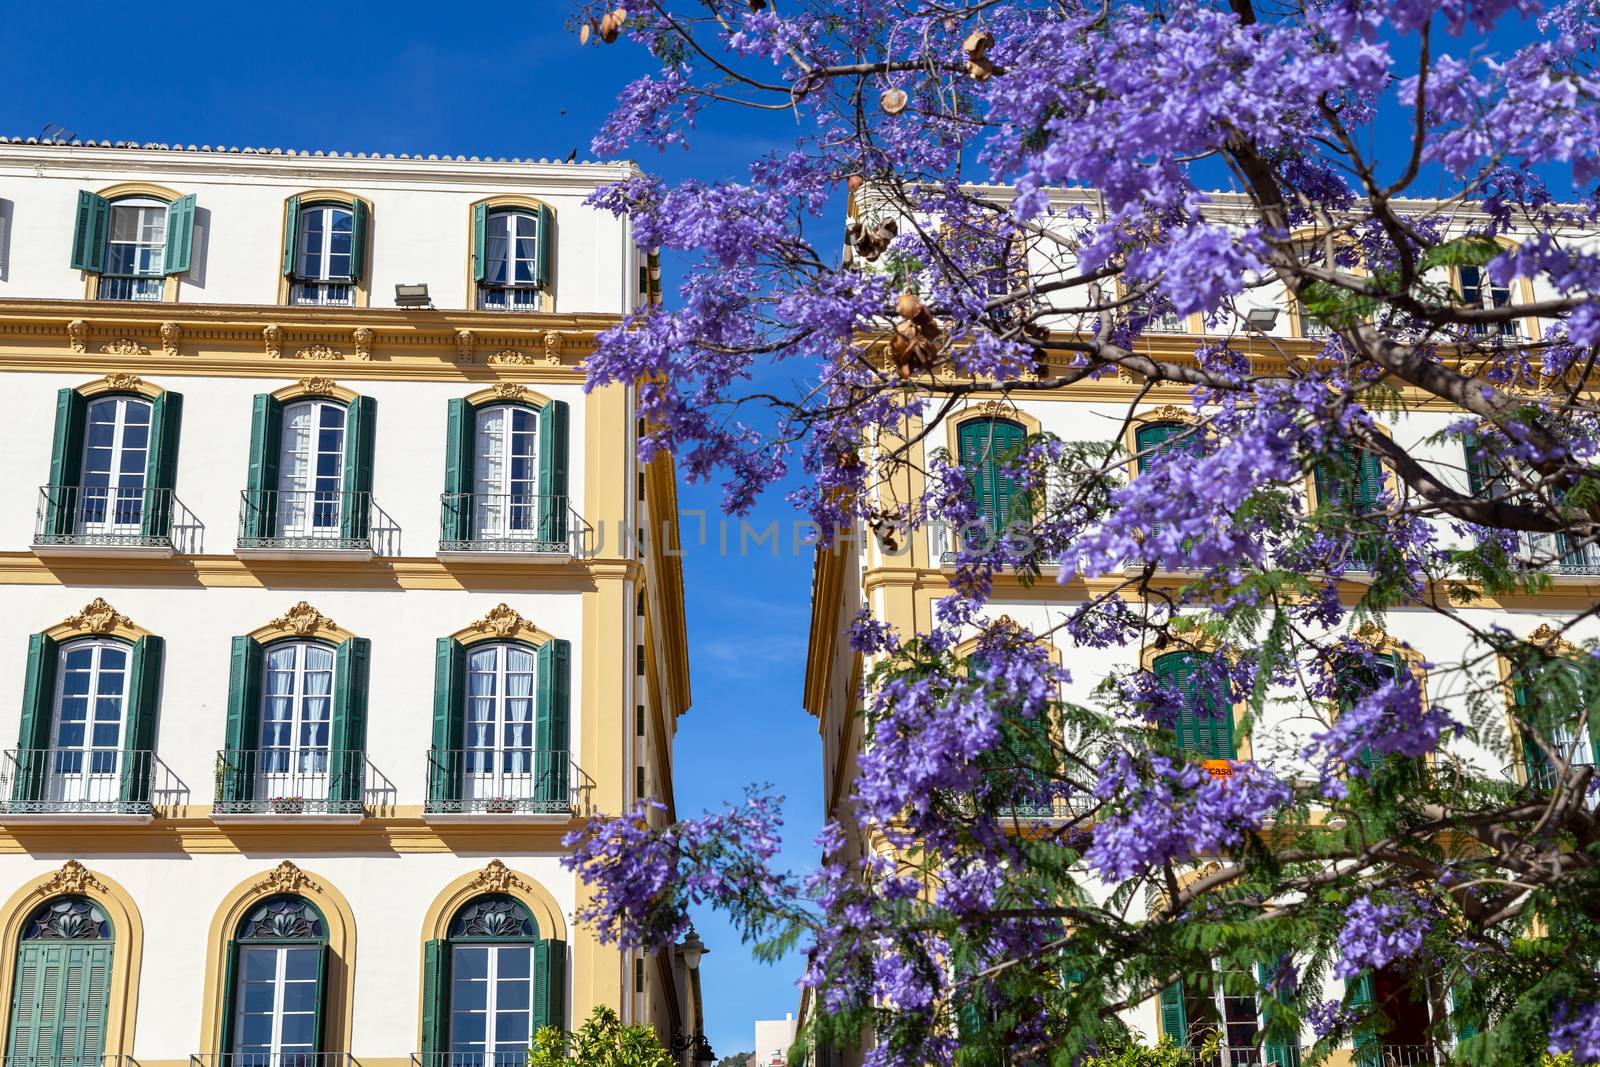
(288, 805)
(500, 805)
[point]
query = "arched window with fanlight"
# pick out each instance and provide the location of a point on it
(275, 986)
(490, 986)
(61, 986)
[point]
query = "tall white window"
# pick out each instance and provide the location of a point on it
(86, 730)
(1478, 292)
(135, 249)
(491, 1005)
(498, 732)
(311, 470)
(277, 992)
(510, 279)
(116, 448)
(507, 473)
(296, 717)
(324, 247)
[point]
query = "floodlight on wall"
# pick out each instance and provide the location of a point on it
(1260, 320)
(412, 296)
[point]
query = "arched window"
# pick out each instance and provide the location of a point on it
(113, 465)
(1353, 480)
(505, 478)
(133, 242)
(984, 445)
(276, 970)
(1158, 439)
(511, 255)
(1478, 292)
(1204, 723)
(324, 248)
(296, 730)
(309, 484)
(88, 726)
(506, 472)
(500, 729)
(62, 985)
(490, 986)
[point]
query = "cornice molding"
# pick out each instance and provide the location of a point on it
(257, 339)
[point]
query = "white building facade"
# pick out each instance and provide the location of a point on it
(326, 618)
(900, 584)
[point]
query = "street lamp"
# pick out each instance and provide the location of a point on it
(691, 950)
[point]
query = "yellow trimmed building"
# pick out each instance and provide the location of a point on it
(332, 602)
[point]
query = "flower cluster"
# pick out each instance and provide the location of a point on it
(1575, 1030)
(1378, 931)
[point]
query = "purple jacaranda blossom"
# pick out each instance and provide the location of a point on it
(1575, 1030)
(1377, 932)
(1166, 812)
(1326, 1016)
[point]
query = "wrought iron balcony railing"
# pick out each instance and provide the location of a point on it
(507, 1058)
(282, 781)
(510, 523)
(1375, 1055)
(147, 289)
(88, 516)
(82, 781)
(507, 781)
(288, 1057)
(309, 520)
(1243, 1056)
(67, 1059)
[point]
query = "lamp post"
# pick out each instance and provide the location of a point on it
(690, 951)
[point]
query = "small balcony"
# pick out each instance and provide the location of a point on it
(522, 526)
(98, 520)
(288, 1057)
(67, 1059)
(470, 1059)
(481, 783)
(83, 785)
(314, 524)
(301, 785)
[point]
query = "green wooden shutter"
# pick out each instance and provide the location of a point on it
(161, 465)
(1174, 1019)
(1369, 480)
(89, 232)
(449, 695)
(1149, 439)
(543, 246)
(553, 472)
(320, 1018)
(291, 233)
(38, 703)
(980, 444)
(180, 235)
(360, 224)
(34, 1002)
(244, 718)
(230, 966)
(66, 463)
(360, 429)
(1285, 1052)
(455, 521)
(480, 230)
(1538, 766)
(260, 518)
(1207, 730)
(551, 719)
(85, 992)
(348, 733)
(435, 1001)
(1465, 1025)
(139, 731)
(549, 984)
(1476, 463)
(1358, 994)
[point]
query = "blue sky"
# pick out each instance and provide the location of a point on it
(509, 80)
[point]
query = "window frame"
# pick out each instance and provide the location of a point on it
(290, 279)
(122, 193)
(478, 214)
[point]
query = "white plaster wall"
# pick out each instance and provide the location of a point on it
(389, 894)
(420, 230)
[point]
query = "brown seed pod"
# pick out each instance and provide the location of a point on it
(976, 47)
(611, 24)
(584, 31)
(908, 305)
(893, 101)
(854, 182)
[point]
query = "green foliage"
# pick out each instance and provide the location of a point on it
(1472, 250)
(602, 1041)
(1163, 1054)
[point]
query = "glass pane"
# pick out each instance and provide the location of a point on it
(258, 964)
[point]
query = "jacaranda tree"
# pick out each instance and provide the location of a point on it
(1370, 152)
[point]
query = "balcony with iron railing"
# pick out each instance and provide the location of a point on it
(287, 1057)
(314, 524)
(475, 526)
(518, 1058)
(68, 1059)
(113, 521)
(487, 783)
(85, 784)
(307, 784)
(146, 289)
